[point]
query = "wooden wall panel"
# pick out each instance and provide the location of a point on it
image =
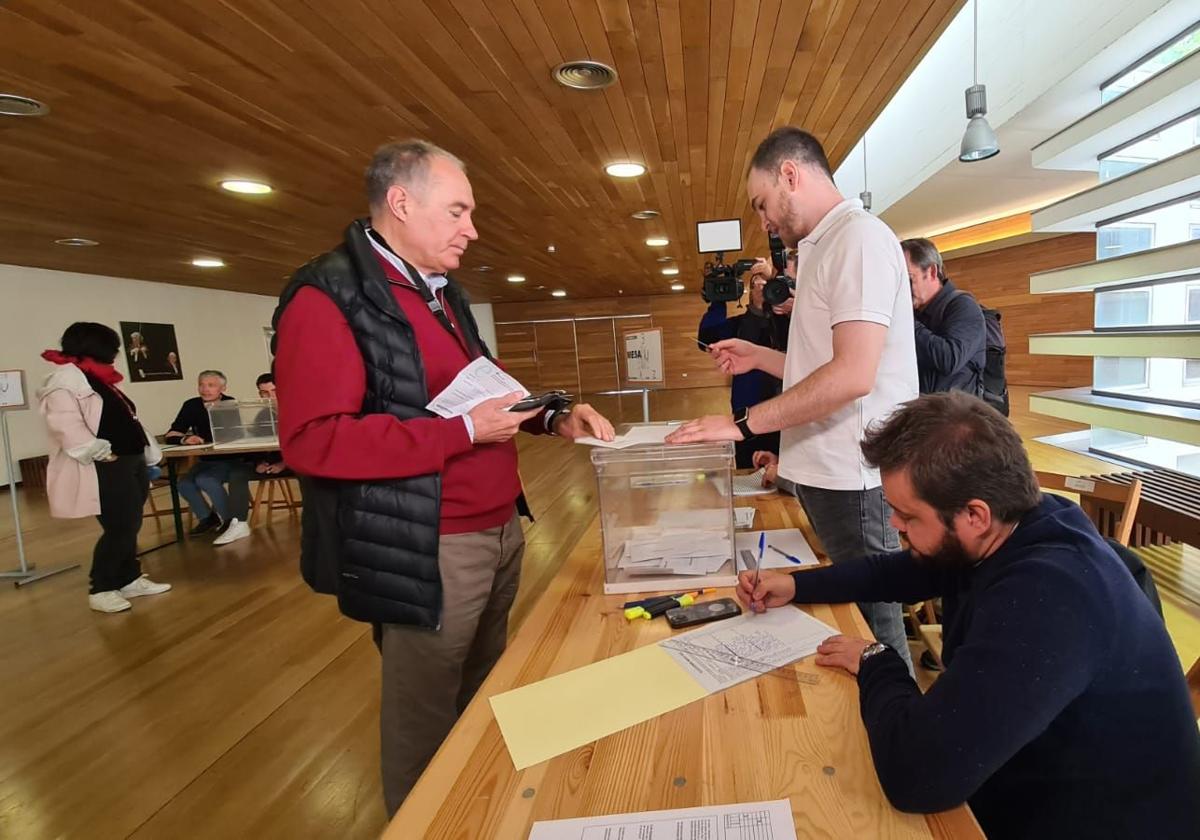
(557, 366)
(596, 343)
(516, 348)
(1000, 279)
(678, 315)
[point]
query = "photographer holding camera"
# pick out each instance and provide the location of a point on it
(850, 359)
(757, 326)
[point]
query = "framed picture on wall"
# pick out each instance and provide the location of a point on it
(150, 351)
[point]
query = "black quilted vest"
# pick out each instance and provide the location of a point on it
(375, 543)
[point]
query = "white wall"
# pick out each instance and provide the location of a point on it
(487, 323)
(214, 329)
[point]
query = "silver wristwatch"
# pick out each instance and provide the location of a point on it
(870, 650)
(552, 418)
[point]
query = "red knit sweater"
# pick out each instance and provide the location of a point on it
(321, 381)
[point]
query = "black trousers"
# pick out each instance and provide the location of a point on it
(123, 488)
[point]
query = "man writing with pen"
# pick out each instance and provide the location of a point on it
(1062, 711)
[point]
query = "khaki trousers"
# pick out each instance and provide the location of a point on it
(429, 676)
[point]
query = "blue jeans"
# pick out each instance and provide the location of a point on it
(209, 478)
(851, 524)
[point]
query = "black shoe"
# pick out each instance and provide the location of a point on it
(928, 662)
(210, 523)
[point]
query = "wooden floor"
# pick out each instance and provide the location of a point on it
(240, 704)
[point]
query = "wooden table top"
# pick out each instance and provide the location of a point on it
(174, 451)
(769, 738)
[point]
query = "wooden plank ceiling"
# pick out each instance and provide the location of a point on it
(153, 102)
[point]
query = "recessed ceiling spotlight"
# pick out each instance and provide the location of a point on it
(77, 242)
(670, 271)
(584, 75)
(550, 249)
(677, 287)
(658, 241)
(625, 169)
(516, 278)
(14, 105)
(559, 293)
(246, 187)
(643, 215)
(666, 259)
(483, 268)
(208, 262)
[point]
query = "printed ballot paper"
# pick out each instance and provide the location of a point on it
(635, 436)
(481, 380)
(566, 711)
(747, 821)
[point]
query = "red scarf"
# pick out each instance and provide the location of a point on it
(107, 374)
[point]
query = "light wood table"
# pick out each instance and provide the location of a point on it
(773, 737)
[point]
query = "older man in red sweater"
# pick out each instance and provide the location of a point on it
(410, 518)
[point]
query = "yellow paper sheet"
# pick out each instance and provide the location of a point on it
(561, 713)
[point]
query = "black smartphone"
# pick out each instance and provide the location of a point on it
(539, 401)
(703, 613)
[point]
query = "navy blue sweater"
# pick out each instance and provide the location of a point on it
(1063, 710)
(750, 388)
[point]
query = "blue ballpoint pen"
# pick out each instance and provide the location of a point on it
(762, 544)
(795, 560)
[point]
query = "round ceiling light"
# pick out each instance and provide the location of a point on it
(208, 262)
(658, 241)
(643, 215)
(243, 187)
(516, 278)
(584, 75)
(666, 259)
(677, 287)
(559, 293)
(77, 242)
(13, 105)
(483, 268)
(670, 271)
(625, 169)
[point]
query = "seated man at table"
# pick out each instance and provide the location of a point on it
(1063, 710)
(267, 463)
(228, 511)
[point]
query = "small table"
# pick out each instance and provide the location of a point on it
(769, 738)
(173, 454)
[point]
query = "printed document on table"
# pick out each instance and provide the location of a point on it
(653, 433)
(746, 821)
(789, 540)
(729, 652)
(481, 380)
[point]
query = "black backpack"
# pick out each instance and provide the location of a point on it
(995, 382)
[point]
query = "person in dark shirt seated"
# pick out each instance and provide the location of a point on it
(1063, 710)
(268, 463)
(228, 511)
(754, 325)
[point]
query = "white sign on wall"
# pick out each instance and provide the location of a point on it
(644, 356)
(12, 390)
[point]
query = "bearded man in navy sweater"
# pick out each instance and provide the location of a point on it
(1063, 710)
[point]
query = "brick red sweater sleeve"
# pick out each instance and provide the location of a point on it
(321, 383)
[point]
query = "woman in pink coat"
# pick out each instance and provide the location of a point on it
(98, 455)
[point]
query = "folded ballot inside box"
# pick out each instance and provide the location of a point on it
(666, 516)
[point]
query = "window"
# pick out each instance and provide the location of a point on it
(1123, 308)
(1193, 304)
(1114, 374)
(1191, 372)
(1179, 49)
(1170, 139)
(1193, 231)
(1123, 239)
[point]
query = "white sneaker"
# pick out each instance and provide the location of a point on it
(236, 530)
(108, 602)
(143, 586)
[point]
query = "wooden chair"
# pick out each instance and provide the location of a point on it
(1111, 507)
(152, 509)
(264, 497)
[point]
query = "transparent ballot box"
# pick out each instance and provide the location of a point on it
(243, 424)
(666, 516)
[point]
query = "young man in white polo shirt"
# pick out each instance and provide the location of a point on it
(850, 359)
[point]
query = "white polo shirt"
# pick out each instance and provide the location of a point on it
(850, 268)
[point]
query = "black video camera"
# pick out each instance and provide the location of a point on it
(724, 282)
(778, 289)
